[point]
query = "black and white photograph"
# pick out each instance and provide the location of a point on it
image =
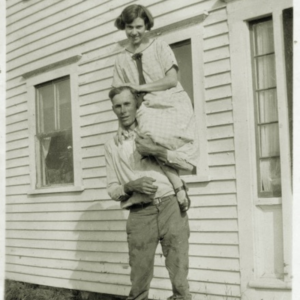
(149, 150)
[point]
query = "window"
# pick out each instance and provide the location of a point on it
(54, 133)
(288, 49)
(262, 138)
(266, 111)
(183, 54)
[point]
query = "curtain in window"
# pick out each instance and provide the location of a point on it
(266, 108)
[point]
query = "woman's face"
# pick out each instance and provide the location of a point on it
(135, 31)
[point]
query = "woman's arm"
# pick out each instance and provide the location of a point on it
(145, 146)
(169, 81)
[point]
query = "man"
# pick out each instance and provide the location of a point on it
(137, 181)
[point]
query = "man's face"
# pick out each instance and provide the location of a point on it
(124, 106)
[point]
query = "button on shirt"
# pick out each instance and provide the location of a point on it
(124, 164)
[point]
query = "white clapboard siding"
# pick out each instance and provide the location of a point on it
(15, 96)
(178, 12)
(17, 109)
(78, 239)
(217, 159)
(207, 198)
(218, 105)
(17, 171)
(21, 152)
(116, 269)
(85, 202)
(124, 269)
(17, 180)
(17, 144)
(76, 16)
(18, 117)
(204, 213)
(15, 127)
(222, 225)
(198, 262)
(14, 6)
(230, 238)
(25, 17)
(16, 89)
(157, 284)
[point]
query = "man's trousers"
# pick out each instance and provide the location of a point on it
(146, 226)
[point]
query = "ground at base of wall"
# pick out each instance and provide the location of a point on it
(15, 290)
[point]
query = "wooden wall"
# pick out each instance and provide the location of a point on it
(78, 240)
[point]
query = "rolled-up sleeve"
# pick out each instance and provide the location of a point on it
(114, 188)
(166, 56)
(177, 161)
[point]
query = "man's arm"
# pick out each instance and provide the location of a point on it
(142, 185)
(146, 146)
(120, 192)
(114, 188)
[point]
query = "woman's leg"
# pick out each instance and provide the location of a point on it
(177, 183)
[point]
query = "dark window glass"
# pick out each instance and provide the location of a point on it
(183, 54)
(54, 134)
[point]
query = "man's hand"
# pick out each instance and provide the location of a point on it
(142, 185)
(145, 145)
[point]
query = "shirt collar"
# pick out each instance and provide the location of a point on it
(129, 134)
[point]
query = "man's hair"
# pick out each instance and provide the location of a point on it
(130, 13)
(118, 90)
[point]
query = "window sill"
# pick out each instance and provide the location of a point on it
(264, 283)
(268, 201)
(195, 178)
(53, 190)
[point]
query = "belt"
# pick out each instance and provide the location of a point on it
(155, 201)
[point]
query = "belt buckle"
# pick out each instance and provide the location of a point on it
(156, 201)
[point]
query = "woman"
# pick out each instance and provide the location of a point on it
(166, 114)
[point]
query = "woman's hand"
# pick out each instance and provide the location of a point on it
(133, 86)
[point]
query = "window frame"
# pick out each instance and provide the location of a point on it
(256, 101)
(194, 32)
(242, 87)
(32, 81)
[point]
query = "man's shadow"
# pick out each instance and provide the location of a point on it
(101, 252)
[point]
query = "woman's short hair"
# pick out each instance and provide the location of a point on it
(131, 12)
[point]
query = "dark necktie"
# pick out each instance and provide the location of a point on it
(138, 58)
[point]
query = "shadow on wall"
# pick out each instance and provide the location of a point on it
(102, 252)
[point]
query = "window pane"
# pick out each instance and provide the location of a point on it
(263, 38)
(183, 54)
(288, 49)
(267, 106)
(269, 140)
(55, 134)
(64, 100)
(57, 159)
(270, 176)
(47, 109)
(266, 109)
(266, 73)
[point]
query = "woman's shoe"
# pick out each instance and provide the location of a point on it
(187, 203)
